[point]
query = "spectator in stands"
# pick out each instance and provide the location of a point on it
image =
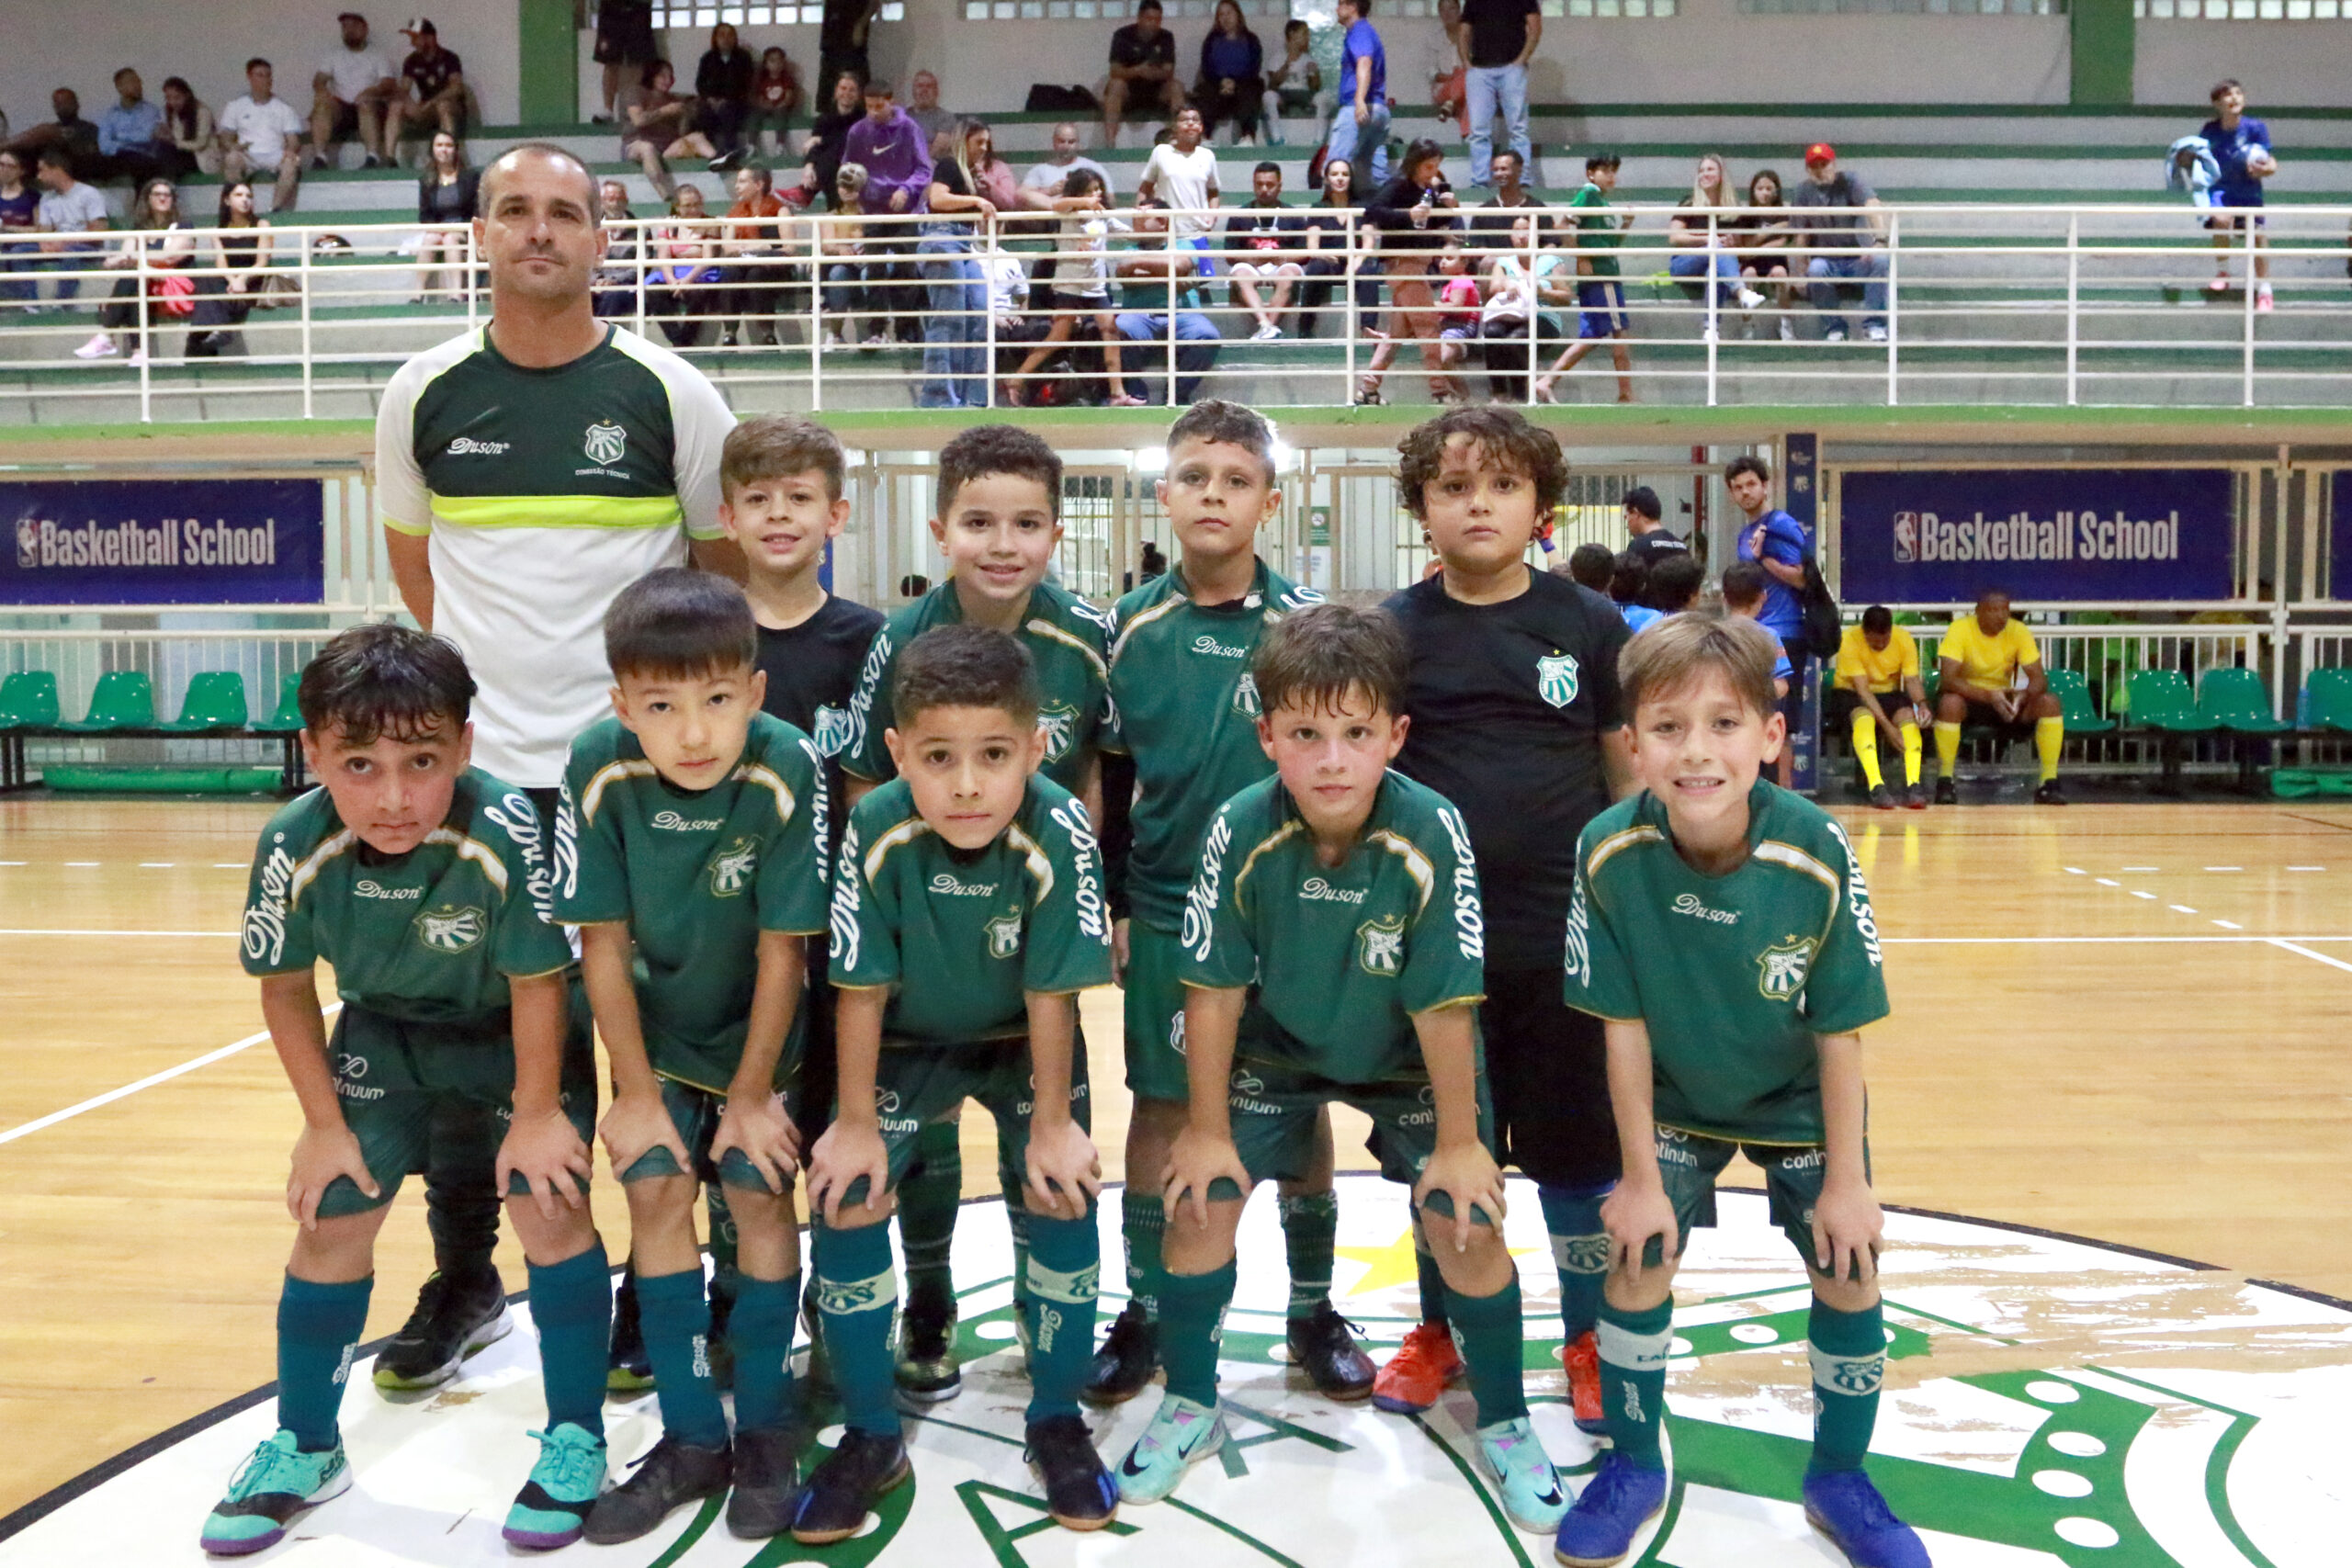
(1677, 584)
(829, 132)
(1460, 301)
(1514, 324)
(350, 93)
(1601, 295)
(162, 236)
(1841, 247)
(1700, 241)
(240, 252)
(682, 285)
(615, 281)
(1048, 178)
(1879, 692)
(1143, 72)
(756, 245)
(1232, 79)
(1500, 38)
(723, 96)
(1333, 223)
(1182, 174)
(1766, 239)
(1361, 121)
(187, 140)
(898, 169)
(447, 195)
(130, 134)
(657, 125)
(841, 40)
(957, 287)
(1080, 293)
(1450, 75)
(260, 132)
(938, 124)
(1777, 546)
(68, 206)
(1268, 251)
(1646, 526)
(841, 250)
(625, 47)
(1413, 212)
(2241, 149)
(20, 215)
(432, 85)
(69, 131)
(1991, 674)
(1295, 84)
(775, 94)
(1157, 289)
(1492, 226)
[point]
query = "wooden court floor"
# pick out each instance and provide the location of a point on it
(2126, 1023)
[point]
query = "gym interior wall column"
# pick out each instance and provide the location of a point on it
(2105, 39)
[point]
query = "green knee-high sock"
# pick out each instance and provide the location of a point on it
(1017, 1219)
(1065, 1271)
(1431, 1282)
(1633, 1379)
(1192, 1325)
(928, 1199)
(677, 1340)
(761, 1331)
(571, 1303)
(857, 1289)
(319, 1326)
(1579, 1250)
(1142, 1221)
(726, 1275)
(1849, 1361)
(1488, 1332)
(1310, 1232)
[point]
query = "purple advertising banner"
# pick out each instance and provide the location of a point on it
(163, 542)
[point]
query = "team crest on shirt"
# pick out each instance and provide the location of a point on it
(452, 928)
(1004, 935)
(606, 444)
(731, 869)
(1781, 970)
(1060, 724)
(832, 731)
(1555, 678)
(1245, 696)
(1380, 946)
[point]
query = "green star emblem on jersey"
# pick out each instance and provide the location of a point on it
(1781, 970)
(450, 928)
(1555, 678)
(1380, 946)
(1004, 935)
(732, 868)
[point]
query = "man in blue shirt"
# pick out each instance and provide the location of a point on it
(1361, 118)
(1778, 543)
(2241, 147)
(129, 132)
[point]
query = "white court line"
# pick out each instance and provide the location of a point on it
(2307, 952)
(2230, 925)
(54, 1117)
(2182, 909)
(51, 931)
(2137, 894)
(2106, 882)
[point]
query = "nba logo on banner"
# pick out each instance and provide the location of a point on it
(1907, 537)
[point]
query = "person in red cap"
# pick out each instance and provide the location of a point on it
(437, 79)
(1840, 244)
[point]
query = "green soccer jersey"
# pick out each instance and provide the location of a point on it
(960, 937)
(1598, 235)
(697, 874)
(430, 936)
(1341, 957)
(1733, 975)
(1183, 705)
(1066, 636)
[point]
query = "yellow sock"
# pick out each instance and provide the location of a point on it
(1866, 747)
(1910, 733)
(1948, 747)
(2049, 737)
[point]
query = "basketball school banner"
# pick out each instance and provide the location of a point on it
(165, 542)
(1944, 535)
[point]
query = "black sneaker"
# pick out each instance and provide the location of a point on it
(2048, 794)
(1324, 1348)
(1947, 792)
(673, 1476)
(1882, 798)
(453, 1319)
(1124, 1366)
(630, 1369)
(767, 1484)
(1915, 797)
(1080, 1493)
(928, 1371)
(866, 1467)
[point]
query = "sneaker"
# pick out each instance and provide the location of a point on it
(728, 161)
(1882, 798)
(1915, 797)
(866, 1467)
(1424, 1366)
(2263, 303)
(1875, 332)
(1581, 1357)
(1947, 792)
(453, 1319)
(553, 1507)
(1266, 333)
(2050, 793)
(630, 1369)
(277, 1483)
(834, 338)
(767, 1484)
(673, 1475)
(928, 1371)
(99, 347)
(138, 358)
(1180, 1435)
(1749, 298)
(1124, 1366)
(1325, 1348)
(876, 343)
(1709, 335)
(1523, 1472)
(373, 162)
(727, 337)
(1846, 1507)
(1620, 1499)
(1787, 330)
(2218, 284)
(1080, 1493)
(1835, 335)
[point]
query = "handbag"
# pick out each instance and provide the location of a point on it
(174, 293)
(277, 291)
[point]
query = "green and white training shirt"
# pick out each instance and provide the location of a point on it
(1733, 975)
(1183, 705)
(431, 936)
(1341, 956)
(545, 493)
(697, 874)
(961, 937)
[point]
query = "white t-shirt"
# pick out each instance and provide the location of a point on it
(1084, 267)
(1182, 180)
(1046, 176)
(354, 71)
(264, 129)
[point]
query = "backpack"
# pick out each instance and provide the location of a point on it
(1822, 629)
(1046, 97)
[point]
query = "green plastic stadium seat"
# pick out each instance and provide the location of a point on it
(2237, 701)
(28, 700)
(288, 720)
(2073, 696)
(2331, 692)
(2160, 699)
(125, 699)
(216, 700)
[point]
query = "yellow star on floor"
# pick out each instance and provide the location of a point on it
(1392, 1265)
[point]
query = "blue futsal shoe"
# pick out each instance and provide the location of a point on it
(274, 1487)
(552, 1509)
(1845, 1506)
(1531, 1487)
(1182, 1433)
(1620, 1499)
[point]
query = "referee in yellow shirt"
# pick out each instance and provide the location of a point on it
(1992, 673)
(1879, 692)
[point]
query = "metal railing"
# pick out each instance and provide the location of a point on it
(1982, 303)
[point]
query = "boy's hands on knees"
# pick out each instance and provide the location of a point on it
(756, 1124)
(636, 1125)
(1467, 1175)
(1633, 1214)
(546, 1152)
(1846, 1230)
(1065, 1168)
(848, 1150)
(321, 1155)
(1194, 1161)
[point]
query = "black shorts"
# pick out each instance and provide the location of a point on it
(1548, 1066)
(1989, 717)
(625, 36)
(347, 122)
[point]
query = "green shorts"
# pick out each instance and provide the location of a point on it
(694, 1113)
(1273, 1107)
(1155, 999)
(392, 1074)
(1689, 1162)
(917, 1083)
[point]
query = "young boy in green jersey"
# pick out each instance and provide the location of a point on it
(1721, 930)
(968, 915)
(423, 881)
(690, 840)
(1600, 293)
(1184, 710)
(1334, 951)
(999, 519)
